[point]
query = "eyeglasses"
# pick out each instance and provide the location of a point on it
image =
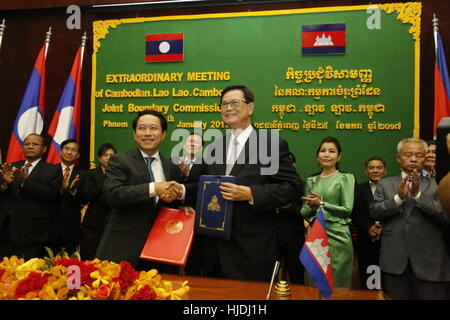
(233, 104)
(410, 155)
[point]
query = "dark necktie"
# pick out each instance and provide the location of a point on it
(149, 161)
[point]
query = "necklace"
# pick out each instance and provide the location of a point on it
(328, 175)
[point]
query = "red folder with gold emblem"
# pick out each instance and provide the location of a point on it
(171, 236)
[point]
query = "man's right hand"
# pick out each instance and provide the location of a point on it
(184, 168)
(168, 191)
(403, 188)
(7, 171)
(375, 230)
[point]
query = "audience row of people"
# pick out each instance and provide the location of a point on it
(399, 223)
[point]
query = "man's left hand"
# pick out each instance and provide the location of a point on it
(415, 183)
(235, 192)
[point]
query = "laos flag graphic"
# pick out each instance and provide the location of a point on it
(164, 47)
(323, 39)
(315, 256)
(30, 118)
(441, 84)
(66, 119)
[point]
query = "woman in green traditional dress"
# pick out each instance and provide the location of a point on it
(337, 190)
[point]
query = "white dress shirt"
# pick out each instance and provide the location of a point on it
(158, 173)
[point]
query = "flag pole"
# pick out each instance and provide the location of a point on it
(435, 29)
(321, 205)
(83, 45)
(2, 30)
(48, 34)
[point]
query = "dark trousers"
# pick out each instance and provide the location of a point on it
(215, 272)
(194, 262)
(368, 253)
(90, 239)
(8, 249)
(408, 287)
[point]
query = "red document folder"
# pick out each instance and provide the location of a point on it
(171, 236)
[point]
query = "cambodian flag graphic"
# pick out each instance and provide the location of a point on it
(30, 118)
(164, 47)
(315, 256)
(66, 119)
(323, 39)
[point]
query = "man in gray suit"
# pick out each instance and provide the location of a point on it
(413, 258)
(137, 184)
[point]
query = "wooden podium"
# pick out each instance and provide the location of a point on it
(225, 289)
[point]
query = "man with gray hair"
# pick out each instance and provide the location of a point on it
(413, 258)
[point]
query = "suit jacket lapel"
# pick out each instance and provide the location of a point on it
(141, 165)
(222, 163)
(75, 172)
(166, 168)
(35, 170)
(368, 192)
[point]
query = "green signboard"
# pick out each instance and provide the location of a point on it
(366, 96)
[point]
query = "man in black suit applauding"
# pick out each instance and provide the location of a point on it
(137, 184)
(369, 230)
(413, 258)
(72, 196)
(27, 191)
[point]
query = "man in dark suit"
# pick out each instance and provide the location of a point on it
(291, 237)
(27, 191)
(137, 184)
(413, 258)
(368, 230)
(72, 196)
(192, 152)
(96, 215)
(192, 149)
(261, 187)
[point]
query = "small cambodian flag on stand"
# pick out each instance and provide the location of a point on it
(315, 256)
(30, 117)
(323, 39)
(164, 47)
(66, 119)
(441, 83)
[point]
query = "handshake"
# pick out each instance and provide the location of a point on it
(169, 191)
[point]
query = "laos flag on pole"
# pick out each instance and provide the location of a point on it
(30, 118)
(66, 119)
(315, 256)
(441, 84)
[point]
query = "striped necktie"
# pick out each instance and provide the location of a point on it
(27, 169)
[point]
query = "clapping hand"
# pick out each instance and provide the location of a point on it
(184, 168)
(19, 174)
(410, 183)
(313, 201)
(7, 171)
(74, 184)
